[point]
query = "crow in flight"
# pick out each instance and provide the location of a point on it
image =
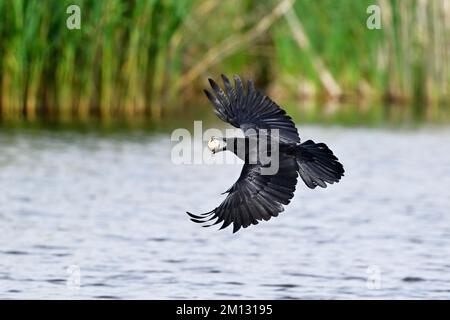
(257, 196)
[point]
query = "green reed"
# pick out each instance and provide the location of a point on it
(137, 58)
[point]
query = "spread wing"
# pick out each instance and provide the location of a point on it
(251, 110)
(254, 197)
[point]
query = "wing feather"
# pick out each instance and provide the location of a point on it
(254, 197)
(251, 109)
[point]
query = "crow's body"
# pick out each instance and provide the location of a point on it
(256, 196)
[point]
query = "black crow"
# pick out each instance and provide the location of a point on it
(257, 196)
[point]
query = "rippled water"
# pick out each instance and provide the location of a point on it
(115, 208)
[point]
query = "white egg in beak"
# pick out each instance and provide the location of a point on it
(213, 144)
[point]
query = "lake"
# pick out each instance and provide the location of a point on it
(85, 215)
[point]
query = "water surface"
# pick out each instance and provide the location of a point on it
(115, 207)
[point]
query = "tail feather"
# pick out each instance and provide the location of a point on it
(317, 165)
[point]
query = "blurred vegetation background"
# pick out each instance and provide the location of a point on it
(136, 60)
